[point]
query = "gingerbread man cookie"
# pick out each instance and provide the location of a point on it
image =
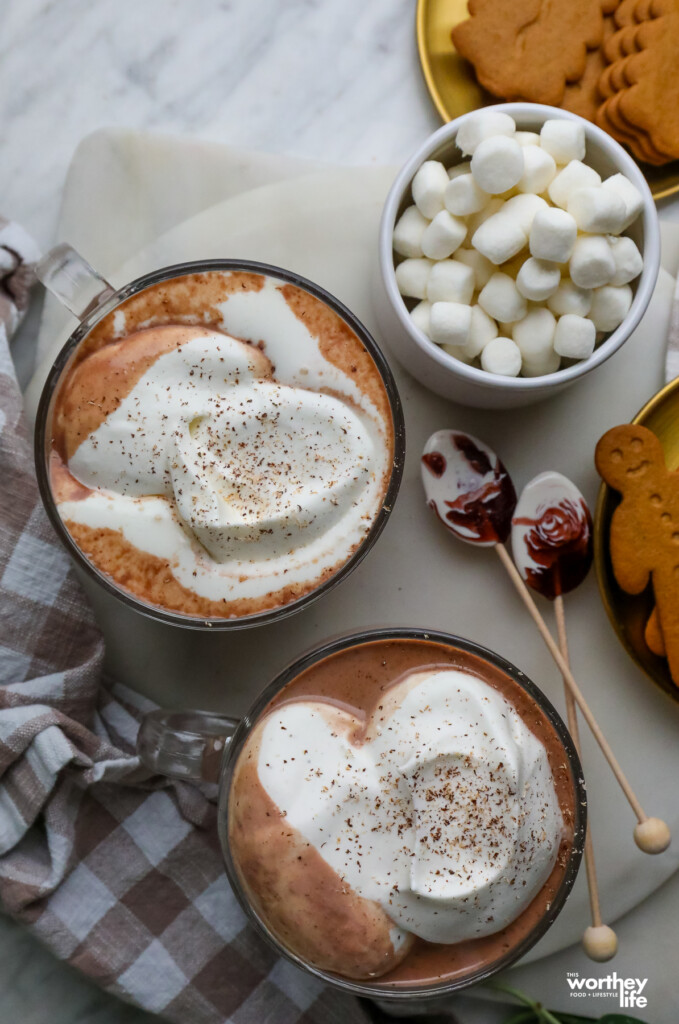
(644, 538)
(653, 635)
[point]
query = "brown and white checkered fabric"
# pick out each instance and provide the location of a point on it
(119, 874)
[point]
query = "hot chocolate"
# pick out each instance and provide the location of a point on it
(222, 443)
(402, 812)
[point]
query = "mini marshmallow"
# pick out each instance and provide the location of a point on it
(407, 240)
(537, 279)
(610, 306)
(527, 138)
(524, 208)
(628, 260)
(482, 267)
(509, 194)
(574, 337)
(552, 235)
(499, 238)
(482, 125)
(549, 363)
(621, 186)
(535, 334)
(539, 169)
(574, 175)
(412, 276)
(482, 330)
(477, 219)
(457, 352)
(513, 266)
(497, 164)
(450, 281)
(568, 298)
(463, 196)
(420, 316)
(450, 323)
(597, 211)
(501, 299)
(458, 169)
(564, 140)
(443, 236)
(428, 187)
(501, 356)
(592, 264)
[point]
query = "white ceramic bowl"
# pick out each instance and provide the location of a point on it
(448, 376)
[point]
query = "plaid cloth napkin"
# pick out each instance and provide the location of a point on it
(118, 873)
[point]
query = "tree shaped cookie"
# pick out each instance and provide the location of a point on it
(583, 97)
(529, 50)
(644, 538)
(651, 102)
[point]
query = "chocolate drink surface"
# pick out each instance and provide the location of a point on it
(402, 812)
(221, 444)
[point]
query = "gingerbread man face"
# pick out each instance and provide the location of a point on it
(629, 458)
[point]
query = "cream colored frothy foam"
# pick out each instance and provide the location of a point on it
(445, 813)
(245, 483)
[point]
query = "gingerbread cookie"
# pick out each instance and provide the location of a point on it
(530, 50)
(621, 44)
(623, 49)
(625, 13)
(651, 103)
(612, 80)
(653, 635)
(609, 118)
(647, 9)
(644, 537)
(613, 83)
(583, 97)
(644, 142)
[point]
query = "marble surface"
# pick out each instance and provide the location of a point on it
(333, 80)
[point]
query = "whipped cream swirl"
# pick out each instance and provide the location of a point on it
(443, 809)
(248, 469)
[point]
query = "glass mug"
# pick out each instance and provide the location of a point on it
(92, 299)
(206, 746)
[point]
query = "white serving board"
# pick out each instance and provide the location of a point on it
(324, 225)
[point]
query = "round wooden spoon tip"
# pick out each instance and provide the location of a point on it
(652, 835)
(600, 943)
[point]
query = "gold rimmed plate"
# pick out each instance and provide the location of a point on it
(629, 614)
(453, 87)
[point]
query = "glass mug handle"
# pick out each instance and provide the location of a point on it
(185, 745)
(72, 280)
